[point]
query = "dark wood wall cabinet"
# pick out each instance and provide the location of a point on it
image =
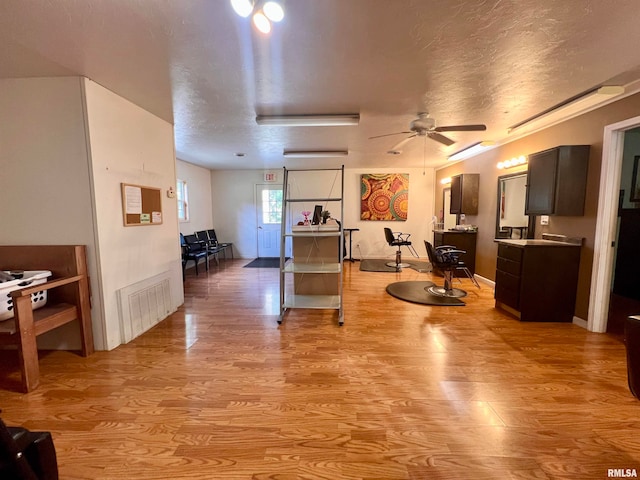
(537, 280)
(464, 193)
(462, 241)
(557, 181)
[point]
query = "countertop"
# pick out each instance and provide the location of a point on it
(455, 231)
(534, 243)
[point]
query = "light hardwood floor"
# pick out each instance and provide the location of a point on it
(401, 391)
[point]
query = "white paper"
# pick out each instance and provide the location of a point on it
(156, 217)
(133, 199)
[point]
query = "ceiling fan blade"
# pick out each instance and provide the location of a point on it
(401, 143)
(389, 134)
(440, 138)
(461, 128)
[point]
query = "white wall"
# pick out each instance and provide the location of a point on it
(45, 195)
(199, 192)
(130, 145)
(235, 218)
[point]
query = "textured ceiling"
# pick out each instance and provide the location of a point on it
(197, 64)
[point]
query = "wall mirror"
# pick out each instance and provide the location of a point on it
(448, 219)
(511, 222)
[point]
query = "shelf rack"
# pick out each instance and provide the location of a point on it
(317, 261)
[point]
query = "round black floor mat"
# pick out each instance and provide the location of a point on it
(416, 292)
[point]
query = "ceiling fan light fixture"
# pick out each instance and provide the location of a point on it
(273, 11)
(315, 153)
(471, 150)
(261, 22)
(242, 7)
(308, 120)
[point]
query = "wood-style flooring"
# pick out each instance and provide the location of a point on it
(401, 391)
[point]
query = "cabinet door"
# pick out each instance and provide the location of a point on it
(541, 183)
(464, 193)
(456, 194)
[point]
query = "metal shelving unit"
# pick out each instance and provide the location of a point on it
(317, 261)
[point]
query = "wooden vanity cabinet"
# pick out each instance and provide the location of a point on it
(557, 181)
(537, 280)
(464, 194)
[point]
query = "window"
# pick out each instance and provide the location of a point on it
(183, 200)
(271, 206)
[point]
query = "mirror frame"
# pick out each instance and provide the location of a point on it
(531, 225)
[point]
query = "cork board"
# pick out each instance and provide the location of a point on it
(141, 206)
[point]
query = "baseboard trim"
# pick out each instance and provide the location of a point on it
(484, 280)
(581, 322)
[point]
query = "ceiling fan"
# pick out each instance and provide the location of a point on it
(425, 126)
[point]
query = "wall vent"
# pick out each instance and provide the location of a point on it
(143, 305)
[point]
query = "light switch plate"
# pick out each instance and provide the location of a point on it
(544, 219)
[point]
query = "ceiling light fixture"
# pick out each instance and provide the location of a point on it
(308, 120)
(242, 7)
(570, 108)
(315, 153)
(263, 12)
(514, 162)
(471, 150)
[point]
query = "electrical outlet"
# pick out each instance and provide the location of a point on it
(544, 219)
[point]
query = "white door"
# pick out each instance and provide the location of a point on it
(269, 212)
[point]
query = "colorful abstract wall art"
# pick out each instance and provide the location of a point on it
(384, 196)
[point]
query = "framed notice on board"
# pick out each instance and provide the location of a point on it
(141, 205)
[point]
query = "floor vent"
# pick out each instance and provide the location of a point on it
(144, 304)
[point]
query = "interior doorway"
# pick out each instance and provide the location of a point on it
(607, 225)
(269, 219)
(625, 295)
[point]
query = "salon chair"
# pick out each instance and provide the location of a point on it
(399, 239)
(27, 455)
(632, 343)
(446, 260)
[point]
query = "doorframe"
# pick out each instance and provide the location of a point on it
(606, 223)
(258, 203)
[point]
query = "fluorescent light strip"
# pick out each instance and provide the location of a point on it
(471, 150)
(315, 153)
(568, 109)
(308, 120)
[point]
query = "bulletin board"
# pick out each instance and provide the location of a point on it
(141, 205)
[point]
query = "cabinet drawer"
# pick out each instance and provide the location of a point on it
(509, 252)
(509, 266)
(508, 289)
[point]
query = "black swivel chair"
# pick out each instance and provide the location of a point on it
(399, 239)
(27, 455)
(446, 260)
(632, 343)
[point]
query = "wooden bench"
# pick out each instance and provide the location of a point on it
(67, 301)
